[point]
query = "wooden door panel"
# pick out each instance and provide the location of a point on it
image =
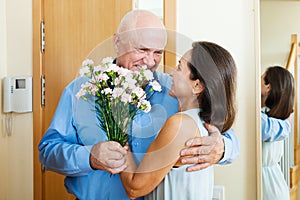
(72, 29)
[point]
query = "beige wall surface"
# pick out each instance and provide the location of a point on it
(16, 151)
(231, 24)
(279, 19)
(3, 141)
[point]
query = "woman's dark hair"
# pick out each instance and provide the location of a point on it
(280, 100)
(215, 68)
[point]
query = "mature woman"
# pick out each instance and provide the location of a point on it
(277, 101)
(204, 83)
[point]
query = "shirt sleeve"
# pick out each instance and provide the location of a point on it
(232, 147)
(59, 148)
(273, 129)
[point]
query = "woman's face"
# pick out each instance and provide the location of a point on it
(182, 85)
(265, 89)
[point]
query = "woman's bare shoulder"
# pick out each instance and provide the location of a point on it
(181, 121)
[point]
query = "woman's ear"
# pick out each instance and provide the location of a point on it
(267, 88)
(198, 87)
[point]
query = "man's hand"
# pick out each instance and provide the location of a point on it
(108, 156)
(203, 151)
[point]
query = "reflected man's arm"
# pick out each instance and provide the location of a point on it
(273, 129)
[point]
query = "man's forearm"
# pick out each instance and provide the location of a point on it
(232, 147)
(63, 157)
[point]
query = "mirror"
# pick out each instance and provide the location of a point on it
(278, 21)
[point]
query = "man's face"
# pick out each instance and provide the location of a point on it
(140, 47)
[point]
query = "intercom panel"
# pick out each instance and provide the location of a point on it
(17, 94)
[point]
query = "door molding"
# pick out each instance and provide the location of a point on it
(38, 128)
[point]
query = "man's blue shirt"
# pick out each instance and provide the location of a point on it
(273, 129)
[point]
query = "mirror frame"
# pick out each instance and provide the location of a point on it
(258, 100)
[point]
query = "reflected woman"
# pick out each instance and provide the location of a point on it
(277, 101)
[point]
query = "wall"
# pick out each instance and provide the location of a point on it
(16, 151)
(3, 141)
(231, 24)
(279, 19)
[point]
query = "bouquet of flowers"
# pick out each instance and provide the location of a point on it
(118, 93)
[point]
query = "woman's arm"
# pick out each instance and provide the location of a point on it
(161, 156)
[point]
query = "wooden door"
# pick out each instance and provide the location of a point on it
(72, 29)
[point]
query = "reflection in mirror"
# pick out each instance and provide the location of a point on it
(277, 101)
(278, 22)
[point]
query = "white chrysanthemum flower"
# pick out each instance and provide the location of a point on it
(86, 85)
(90, 87)
(139, 77)
(80, 93)
(129, 74)
(113, 68)
(123, 71)
(94, 89)
(84, 89)
(126, 98)
(107, 91)
(99, 68)
(117, 92)
(131, 82)
(144, 105)
(148, 107)
(103, 77)
(139, 92)
(144, 67)
(107, 60)
(117, 81)
(156, 86)
(84, 71)
(148, 74)
(87, 62)
(124, 85)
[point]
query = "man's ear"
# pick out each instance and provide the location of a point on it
(116, 42)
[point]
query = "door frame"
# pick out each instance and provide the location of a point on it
(38, 68)
(38, 116)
